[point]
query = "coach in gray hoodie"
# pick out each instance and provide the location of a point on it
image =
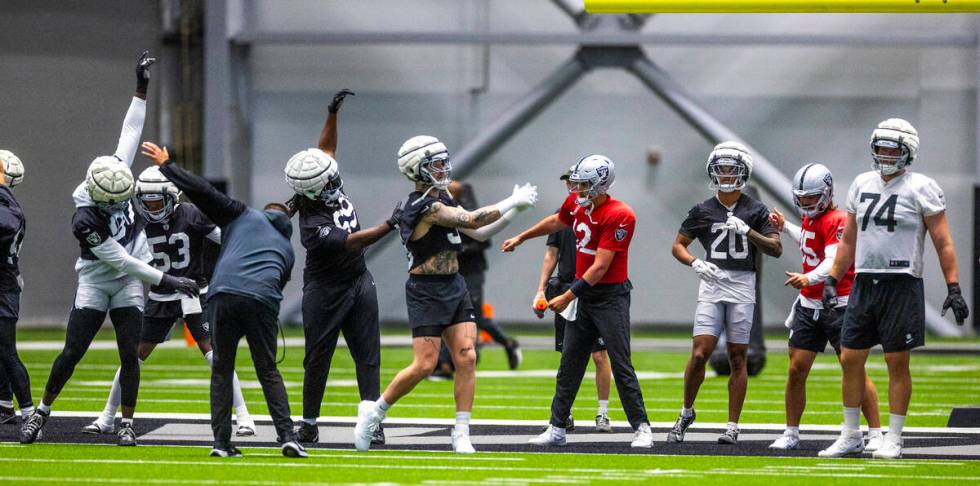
(253, 267)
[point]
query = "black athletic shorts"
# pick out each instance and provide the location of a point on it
(436, 302)
(10, 305)
(886, 309)
(555, 288)
(814, 328)
(160, 316)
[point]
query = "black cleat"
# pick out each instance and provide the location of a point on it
(379, 436)
(677, 432)
(307, 433)
(514, 355)
(293, 449)
(7, 415)
(31, 431)
(225, 451)
(127, 436)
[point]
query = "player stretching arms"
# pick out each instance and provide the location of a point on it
(889, 211)
(732, 227)
(439, 305)
(176, 234)
(810, 327)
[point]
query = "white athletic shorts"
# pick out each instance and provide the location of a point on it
(112, 294)
(711, 318)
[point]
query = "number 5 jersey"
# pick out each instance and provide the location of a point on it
(730, 251)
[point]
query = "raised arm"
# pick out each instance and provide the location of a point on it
(132, 128)
(216, 206)
(328, 135)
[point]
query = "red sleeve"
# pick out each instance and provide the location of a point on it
(834, 228)
(617, 231)
(567, 212)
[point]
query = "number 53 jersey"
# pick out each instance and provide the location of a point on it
(730, 251)
(177, 245)
(890, 225)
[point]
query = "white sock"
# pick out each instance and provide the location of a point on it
(687, 412)
(732, 425)
(603, 407)
(852, 419)
(463, 422)
(895, 425)
(241, 411)
(645, 427)
(309, 421)
(112, 403)
(7, 403)
(874, 430)
(382, 406)
(45, 408)
(125, 421)
(792, 431)
(26, 412)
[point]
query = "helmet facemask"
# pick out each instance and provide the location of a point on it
(816, 208)
(331, 192)
(436, 171)
(584, 191)
(889, 164)
(727, 174)
(112, 207)
(155, 207)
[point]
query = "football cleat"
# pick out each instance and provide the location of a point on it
(31, 431)
(680, 427)
(245, 429)
(99, 428)
(643, 438)
(730, 436)
(514, 355)
(379, 436)
(7, 415)
(602, 423)
(307, 433)
(786, 442)
(294, 449)
(848, 443)
(550, 437)
(225, 451)
(875, 438)
(127, 436)
(890, 449)
(368, 421)
(461, 443)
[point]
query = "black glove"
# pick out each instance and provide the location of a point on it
(143, 72)
(955, 301)
(396, 216)
(183, 285)
(338, 99)
(830, 295)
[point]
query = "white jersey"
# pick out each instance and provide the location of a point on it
(890, 225)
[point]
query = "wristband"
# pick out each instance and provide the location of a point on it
(953, 288)
(830, 281)
(579, 286)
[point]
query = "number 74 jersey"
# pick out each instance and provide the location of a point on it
(890, 225)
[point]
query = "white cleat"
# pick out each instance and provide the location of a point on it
(643, 438)
(367, 422)
(848, 443)
(890, 449)
(874, 441)
(786, 442)
(245, 429)
(550, 437)
(461, 443)
(99, 428)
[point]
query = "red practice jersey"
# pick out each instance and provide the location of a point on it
(819, 233)
(609, 226)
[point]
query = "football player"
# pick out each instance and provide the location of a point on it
(439, 305)
(560, 253)
(732, 227)
(176, 233)
(12, 229)
(810, 327)
(338, 290)
(245, 291)
(111, 269)
(603, 227)
(889, 211)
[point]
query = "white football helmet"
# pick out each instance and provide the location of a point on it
(109, 183)
(315, 174)
(152, 187)
(13, 168)
(813, 180)
(415, 159)
(595, 170)
(894, 133)
(729, 159)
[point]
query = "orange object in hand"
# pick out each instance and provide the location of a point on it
(540, 304)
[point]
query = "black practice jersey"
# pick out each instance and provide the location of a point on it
(93, 226)
(177, 244)
(566, 242)
(323, 231)
(12, 226)
(437, 239)
(727, 249)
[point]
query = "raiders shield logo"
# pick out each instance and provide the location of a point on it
(324, 231)
(620, 234)
(94, 239)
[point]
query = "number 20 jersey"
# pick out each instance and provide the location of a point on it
(177, 244)
(890, 225)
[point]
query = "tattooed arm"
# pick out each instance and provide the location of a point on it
(455, 217)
